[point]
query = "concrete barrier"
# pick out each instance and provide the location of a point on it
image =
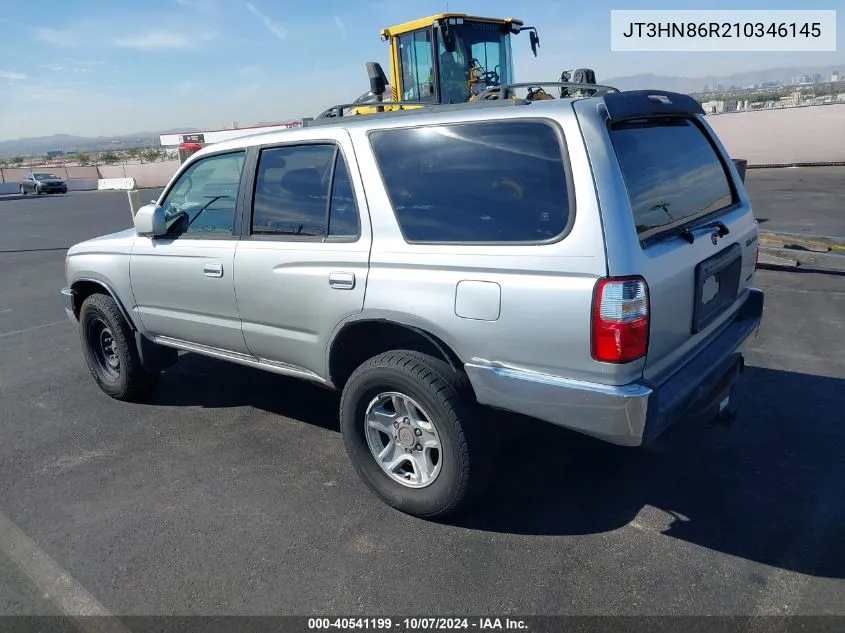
(77, 184)
(82, 184)
(812, 134)
(119, 184)
(146, 175)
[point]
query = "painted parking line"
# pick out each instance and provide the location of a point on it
(58, 585)
(34, 327)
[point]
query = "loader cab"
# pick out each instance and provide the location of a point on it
(449, 58)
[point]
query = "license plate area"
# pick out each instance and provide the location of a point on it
(716, 286)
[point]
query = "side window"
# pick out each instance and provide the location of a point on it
(204, 199)
(292, 190)
(343, 212)
(499, 181)
(417, 66)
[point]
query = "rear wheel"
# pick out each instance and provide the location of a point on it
(413, 432)
(110, 351)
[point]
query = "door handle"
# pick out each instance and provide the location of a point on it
(342, 281)
(213, 270)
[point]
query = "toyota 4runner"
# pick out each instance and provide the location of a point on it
(588, 262)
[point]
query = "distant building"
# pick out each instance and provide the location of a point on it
(718, 106)
(54, 153)
(835, 76)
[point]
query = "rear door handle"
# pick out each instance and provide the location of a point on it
(342, 281)
(213, 270)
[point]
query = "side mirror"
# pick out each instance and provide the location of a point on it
(378, 80)
(535, 41)
(149, 221)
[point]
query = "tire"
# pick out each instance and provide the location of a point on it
(443, 396)
(23, 190)
(38, 190)
(119, 374)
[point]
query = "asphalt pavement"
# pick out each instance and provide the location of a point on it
(231, 493)
(799, 200)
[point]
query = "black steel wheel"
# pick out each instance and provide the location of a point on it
(110, 351)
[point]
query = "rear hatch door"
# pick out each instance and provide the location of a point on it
(695, 235)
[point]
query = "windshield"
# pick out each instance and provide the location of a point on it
(481, 57)
(43, 175)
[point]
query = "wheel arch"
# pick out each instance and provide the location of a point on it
(84, 287)
(358, 339)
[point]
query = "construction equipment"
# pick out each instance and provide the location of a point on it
(454, 58)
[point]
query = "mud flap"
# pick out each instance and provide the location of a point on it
(155, 357)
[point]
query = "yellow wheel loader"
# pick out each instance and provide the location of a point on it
(455, 58)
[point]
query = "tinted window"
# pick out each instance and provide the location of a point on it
(672, 172)
(343, 216)
(291, 191)
(475, 182)
(204, 198)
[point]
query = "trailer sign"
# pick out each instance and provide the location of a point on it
(193, 138)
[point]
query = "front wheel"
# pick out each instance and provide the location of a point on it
(414, 433)
(110, 351)
(23, 190)
(38, 190)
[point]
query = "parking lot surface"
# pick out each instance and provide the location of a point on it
(231, 492)
(800, 200)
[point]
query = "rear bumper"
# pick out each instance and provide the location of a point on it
(633, 414)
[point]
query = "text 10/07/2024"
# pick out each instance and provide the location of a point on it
(418, 624)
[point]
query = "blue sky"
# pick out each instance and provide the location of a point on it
(93, 67)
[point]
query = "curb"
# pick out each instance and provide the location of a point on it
(806, 260)
(813, 243)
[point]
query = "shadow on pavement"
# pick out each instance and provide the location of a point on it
(770, 489)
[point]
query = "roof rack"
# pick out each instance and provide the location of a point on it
(336, 111)
(505, 90)
(334, 114)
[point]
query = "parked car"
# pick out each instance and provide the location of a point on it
(42, 182)
(588, 262)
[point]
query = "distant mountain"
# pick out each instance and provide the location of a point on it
(68, 143)
(696, 84)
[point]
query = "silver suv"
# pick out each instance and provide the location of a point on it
(588, 262)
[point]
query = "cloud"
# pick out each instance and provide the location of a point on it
(11, 75)
(274, 27)
(199, 5)
(57, 37)
(340, 26)
(188, 86)
(160, 39)
(250, 71)
(73, 66)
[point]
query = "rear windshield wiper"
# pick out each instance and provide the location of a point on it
(688, 232)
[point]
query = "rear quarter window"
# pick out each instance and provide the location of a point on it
(672, 172)
(501, 182)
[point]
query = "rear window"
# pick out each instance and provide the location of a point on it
(475, 182)
(672, 172)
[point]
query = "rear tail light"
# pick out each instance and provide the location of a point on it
(620, 320)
